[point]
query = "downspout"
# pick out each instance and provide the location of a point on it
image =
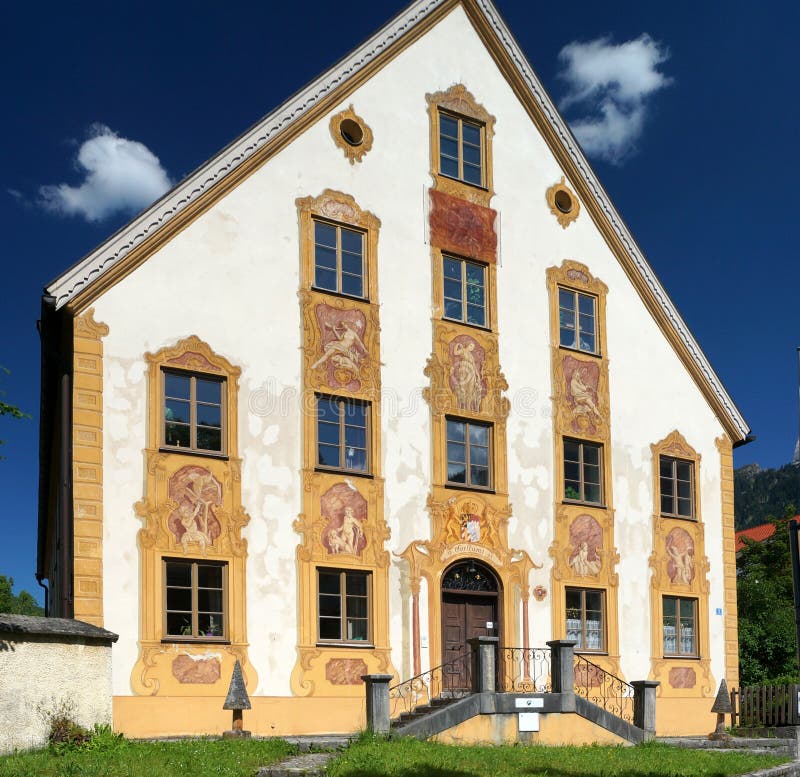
(64, 517)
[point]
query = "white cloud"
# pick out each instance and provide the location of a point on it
(119, 175)
(611, 85)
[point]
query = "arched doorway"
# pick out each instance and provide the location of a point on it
(471, 607)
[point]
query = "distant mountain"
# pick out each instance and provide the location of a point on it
(764, 493)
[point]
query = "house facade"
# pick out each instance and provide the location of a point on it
(387, 373)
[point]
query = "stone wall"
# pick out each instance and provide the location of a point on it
(47, 664)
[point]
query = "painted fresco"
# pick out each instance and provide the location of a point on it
(342, 352)
(193, 670)
(679, 546)
(345, 671)
(586, 542)
(466, 372)
(462, 227)
(345, 511)
(197, 493)
(582, 380)
(682, 677)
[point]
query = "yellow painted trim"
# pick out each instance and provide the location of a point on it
(353, 153)
(458, 100)
(430, 558)
(570, 422)
(551, 195)
(675, 445)
(312, 675)
(154, 672)
(725, 449)
(87, 467)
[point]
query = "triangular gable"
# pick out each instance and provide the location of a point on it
(130, 245)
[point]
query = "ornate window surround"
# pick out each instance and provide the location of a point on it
(314, 673)
(668, 580)
(458, 100)
(590, 423)
(153, 673)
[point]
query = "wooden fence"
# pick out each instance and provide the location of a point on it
(766, 705)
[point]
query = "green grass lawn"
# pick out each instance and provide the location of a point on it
(410, 758)
(370, 757)
(188, 758)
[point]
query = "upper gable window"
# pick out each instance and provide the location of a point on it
(193, 412)
(676, 481)
(461, 149)
(339, 259)
(577, 320)
(464, 291)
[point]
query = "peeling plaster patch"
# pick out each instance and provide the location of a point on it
(256, 534)
(270, 435)
(270, 475)
(531, 497)
(254, 424)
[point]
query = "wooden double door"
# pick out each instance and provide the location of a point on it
(465, 615)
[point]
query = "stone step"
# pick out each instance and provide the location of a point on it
(751, 745)
(311, 742)
(308, 765)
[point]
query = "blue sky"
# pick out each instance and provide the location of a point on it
(689, 111)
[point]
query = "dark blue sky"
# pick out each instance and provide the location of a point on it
(710, 195)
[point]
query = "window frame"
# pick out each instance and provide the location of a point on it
(195, 636)
(603, 649)
(467, 445)
(695, 637)
(339, 226)
(460, 119)
(577, 293)
(343, 573)
(342, 401)
(582, 483)
(673, 479)
(223, 409)
(463, 262)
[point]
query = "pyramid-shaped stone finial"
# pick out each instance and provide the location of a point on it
(237, 698)
(723, 701)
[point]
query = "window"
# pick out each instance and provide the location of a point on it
(338, 259)
(676, 478)
(461, 149)
(585, 618)
(194, 595)
(464, 291)
(680, 635)
(468, 453)
(193, 406)
(583, 472)
(577, 320)
(343, 427)
(344, 605)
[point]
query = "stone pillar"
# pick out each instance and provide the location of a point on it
(484, 663)
(644, 706)
(562, 665)
(377, 687)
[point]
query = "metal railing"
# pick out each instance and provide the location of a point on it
(604, 689)
(441, 682)
(524, 670)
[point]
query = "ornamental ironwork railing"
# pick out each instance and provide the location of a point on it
(524, 670)
(443, 682)
(604, 689)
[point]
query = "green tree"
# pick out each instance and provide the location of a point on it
(23, 604)
(767, 636)
(6, 408)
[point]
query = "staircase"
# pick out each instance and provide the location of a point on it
(428, 704)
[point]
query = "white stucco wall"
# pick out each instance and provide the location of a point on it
(231, 278)
(40, 678)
